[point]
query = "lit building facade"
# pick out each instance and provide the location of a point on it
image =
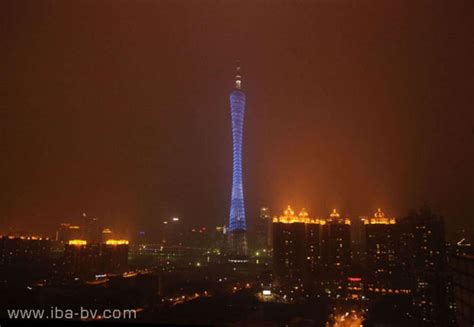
(237, 222)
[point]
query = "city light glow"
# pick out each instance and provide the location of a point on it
(380, 219)
(116, 242)
(289, 217)
(77, 242)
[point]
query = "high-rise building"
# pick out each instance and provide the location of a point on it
(198, 238)
(289, 248)
(237, 223)
(81, 258)
(142, 238)
(336, 241)
(313, 242)
(68, 232)
(422, 258)
(23, 250)
(358, 239)
(91, 228)
(87, 259)
(106, 234)
(173, 233)
(219, 237)
(295, 247)
(263, 229)
(381, 244)
(336, 252)
(462, 266)
(24, 257)
(114, 256)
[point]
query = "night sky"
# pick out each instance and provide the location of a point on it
(120, 109)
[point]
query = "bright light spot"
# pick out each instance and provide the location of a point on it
(116, 242)
(77, 242)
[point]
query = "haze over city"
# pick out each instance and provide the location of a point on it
(121, 110)
(237, 163)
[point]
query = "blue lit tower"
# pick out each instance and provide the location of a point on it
(237, 226)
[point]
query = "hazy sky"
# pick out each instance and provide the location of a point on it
(120, 108)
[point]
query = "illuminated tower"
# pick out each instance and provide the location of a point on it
(237, 226)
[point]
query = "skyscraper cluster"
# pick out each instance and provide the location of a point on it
(405, 258)
(306, 248)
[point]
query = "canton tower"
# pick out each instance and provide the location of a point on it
(237, 226)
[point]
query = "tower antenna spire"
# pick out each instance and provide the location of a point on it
(238, 76)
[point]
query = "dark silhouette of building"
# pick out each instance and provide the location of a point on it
(23, 250)
(81, 258)
(289, 248)
(85, 259)
(358, 239)
(24, 258)
(91, 229)
(263, 229)
(142, 238)
(114, 256)
(335, 253)
(199, 238)
(68, 232)
(381, 245)
(219, 237)
(106, 234)
(462, 267)
(296, 250)
(313, 243)
(422, 260)
(173, 232)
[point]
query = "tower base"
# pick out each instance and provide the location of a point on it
(237, 245)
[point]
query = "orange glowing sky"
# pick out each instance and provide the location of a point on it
(120, 108)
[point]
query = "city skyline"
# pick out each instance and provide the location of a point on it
(376, 113)
(237, 163)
